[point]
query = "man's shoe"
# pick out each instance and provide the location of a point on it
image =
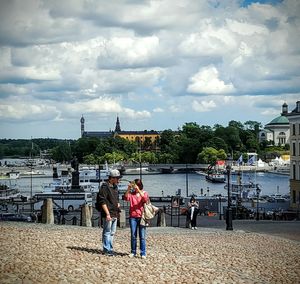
(195, 228)
(132, 255)
(143, 257)
(109, 253)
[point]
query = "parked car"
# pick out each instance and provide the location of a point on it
(15, 217)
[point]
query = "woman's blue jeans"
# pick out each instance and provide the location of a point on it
(134, 227)
(109, 230)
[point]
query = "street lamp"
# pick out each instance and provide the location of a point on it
(140, 157)
(229, 210)
(186, 180)
(258, 190)
(220, 201)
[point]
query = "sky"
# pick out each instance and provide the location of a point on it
(155, 64)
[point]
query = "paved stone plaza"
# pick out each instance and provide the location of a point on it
(38, 253)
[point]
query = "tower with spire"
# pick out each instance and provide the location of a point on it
(118, 127)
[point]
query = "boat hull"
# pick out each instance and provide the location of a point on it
(215, 178)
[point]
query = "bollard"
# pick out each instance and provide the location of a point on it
(47, 212)
(91, 210)
(188, 221)
(122, 219)
(86, 216)
(161, 218)
(74, 221)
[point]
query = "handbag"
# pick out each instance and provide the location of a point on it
(149, 213)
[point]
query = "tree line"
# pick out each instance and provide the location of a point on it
(190, 144)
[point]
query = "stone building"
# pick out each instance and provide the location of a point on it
(294, 123)
(146, 137)
(278, 130)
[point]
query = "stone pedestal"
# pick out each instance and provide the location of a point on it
(47, 212)
(122, 219)
(86, 216)
(75, 182)
(161, 218)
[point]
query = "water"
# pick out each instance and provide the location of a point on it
(154, 184)
(170, 183)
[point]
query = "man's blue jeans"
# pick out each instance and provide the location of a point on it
(134, 227)
(109, 230)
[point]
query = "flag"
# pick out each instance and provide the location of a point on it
(240, 160)
(251, 160)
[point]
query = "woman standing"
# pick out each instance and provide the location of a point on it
(137, 198)
(193, 212)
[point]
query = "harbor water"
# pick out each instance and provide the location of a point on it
(168, 184)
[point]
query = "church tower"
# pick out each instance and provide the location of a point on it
(118, 127)
(82, 125)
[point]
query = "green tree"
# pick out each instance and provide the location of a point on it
(208, 155)
(217, 143)
(62, 152)
(113, 157)
(189, 142)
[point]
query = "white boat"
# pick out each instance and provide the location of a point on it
(92, 175)
(32, 173)
(215, 177)
(10, 175)
(8, 191)
(88, 181)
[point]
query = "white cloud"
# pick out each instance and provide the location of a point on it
(245, 29)
(147, 60)
(210, 40)
(203, 106)
(158, 109)
(130, 52)
(15, 109)
(98, 105)
(207, 81)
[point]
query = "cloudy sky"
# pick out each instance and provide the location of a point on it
(155, 64)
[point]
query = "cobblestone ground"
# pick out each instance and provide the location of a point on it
(38, 253)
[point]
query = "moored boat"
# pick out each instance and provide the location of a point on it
(8, 191)
(215, 177)
(10, 175)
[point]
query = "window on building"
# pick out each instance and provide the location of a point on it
(294, 149)
(281, 138)
(294, 196)
(294, 129)
(294, 172)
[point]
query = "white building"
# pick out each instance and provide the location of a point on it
(278, 130)
(294, 122)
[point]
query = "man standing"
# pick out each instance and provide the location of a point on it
(109, 206)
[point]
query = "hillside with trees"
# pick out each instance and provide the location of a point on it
(190, 144)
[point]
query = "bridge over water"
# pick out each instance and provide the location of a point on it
(169, 167)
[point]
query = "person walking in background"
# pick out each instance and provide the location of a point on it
(137, 198)
(109, 207)
(193, 212)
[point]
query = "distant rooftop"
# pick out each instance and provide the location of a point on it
(279, 120)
